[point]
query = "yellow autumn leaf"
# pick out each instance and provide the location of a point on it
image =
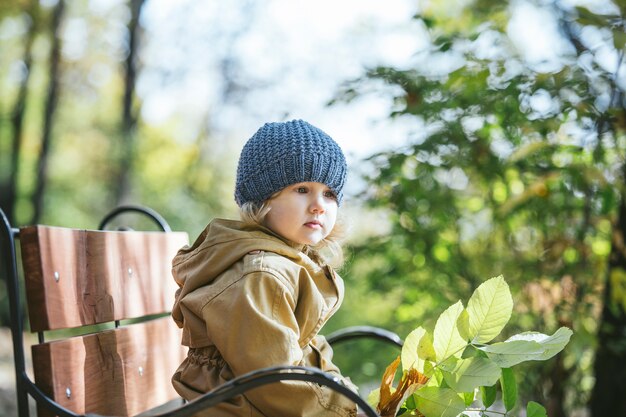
(392, 398)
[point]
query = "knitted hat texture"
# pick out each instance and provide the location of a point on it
(285, 153)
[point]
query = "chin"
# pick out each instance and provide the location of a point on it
(310, 242)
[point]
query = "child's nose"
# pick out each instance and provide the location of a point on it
(318, 203)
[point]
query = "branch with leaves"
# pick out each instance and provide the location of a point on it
(442, 372)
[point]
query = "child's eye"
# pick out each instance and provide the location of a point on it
(330, 194)
(301, 190)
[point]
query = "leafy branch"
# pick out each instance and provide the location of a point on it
(442, 372)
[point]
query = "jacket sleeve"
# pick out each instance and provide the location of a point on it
(326, 361)
(253, 326)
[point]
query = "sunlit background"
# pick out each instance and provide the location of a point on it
(483, 137)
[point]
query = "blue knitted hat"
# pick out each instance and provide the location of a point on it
(281, 154)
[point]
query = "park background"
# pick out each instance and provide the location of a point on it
(484, 137)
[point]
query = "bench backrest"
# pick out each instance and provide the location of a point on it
(78, 278)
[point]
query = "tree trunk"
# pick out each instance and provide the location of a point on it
(556, 397)
(49, 111)
(129, 117)
(608, 397)
(8, 195)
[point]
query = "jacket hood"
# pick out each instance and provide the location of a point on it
(219, 246)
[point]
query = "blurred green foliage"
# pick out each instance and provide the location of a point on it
(510, 169)
(187, 180)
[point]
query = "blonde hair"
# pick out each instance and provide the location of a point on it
(327, 251)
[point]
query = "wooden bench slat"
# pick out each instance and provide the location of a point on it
(124, 371)
(43, 267)
(83, 277)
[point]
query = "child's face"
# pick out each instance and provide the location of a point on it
(303, 213)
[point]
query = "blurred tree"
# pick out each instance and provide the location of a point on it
(8, 179)
(515, 167)
(68, 75)
(126, 148)
(73, 141)
(49, 111)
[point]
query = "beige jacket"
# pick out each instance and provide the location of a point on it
(249, 300)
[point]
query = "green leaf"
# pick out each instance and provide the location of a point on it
(417, 348)
(587, 17)
(534, 409)
(619, 39)
(409, 349)
(410, 403)
(471, 351)
(488, 395)
(429, 369)
(462, 324)
(509, 388)
(373, 398)
(551, 344)
(446, 338)
(471, 373)
(511, 353)
(438, 402)
(489, 310)
(449, 365)
(437, 379)
(468, 398)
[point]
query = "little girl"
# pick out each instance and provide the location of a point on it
(255, 293)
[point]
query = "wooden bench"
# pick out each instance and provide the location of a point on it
(99, 301)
